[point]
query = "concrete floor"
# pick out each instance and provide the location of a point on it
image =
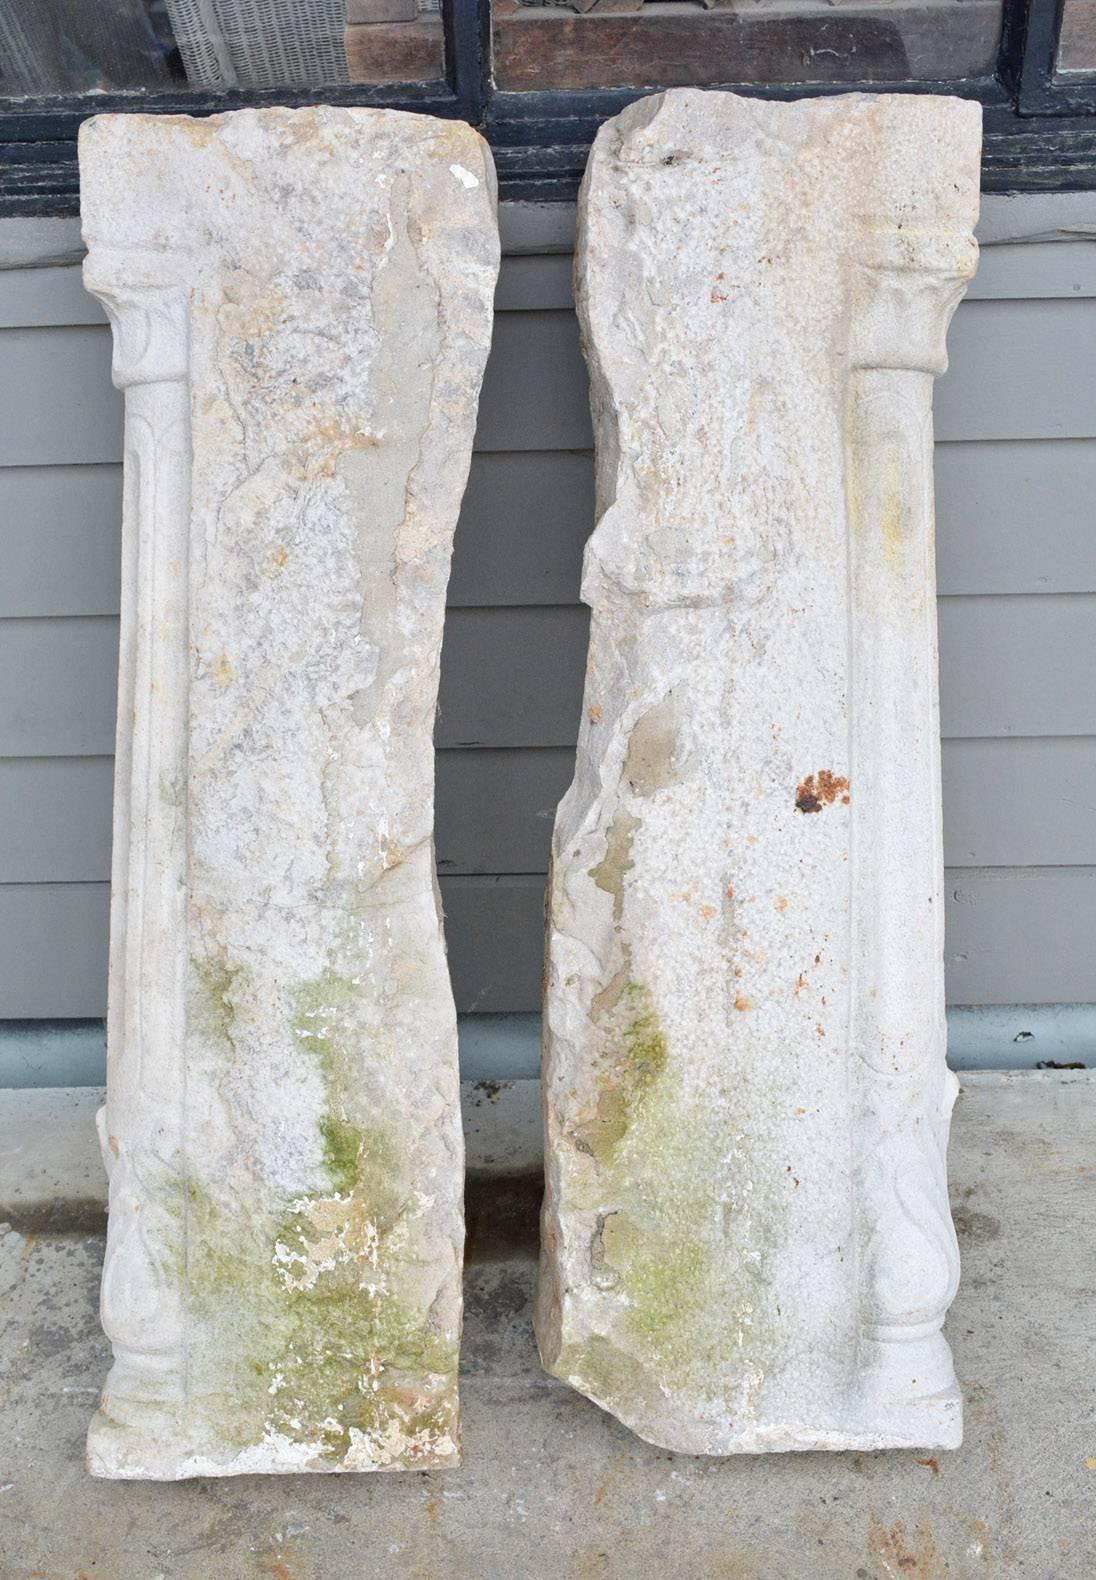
(554, 1488)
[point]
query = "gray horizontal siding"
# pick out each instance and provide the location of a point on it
(1021, 935)
(513, 676)
(523, 524)
(1016, 516)
(55, 295)
(58, 686)
(510, 677)
(54, 958)
(55, 819)
(1020, 803)
(1012, 517)
(62, 532)
(34, 298)
(1016, 480)
(1013, 935)
(1018, 666)
(56, 934)
(57, 406)
(495, 809)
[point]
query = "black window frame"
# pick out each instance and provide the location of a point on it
(1040, 129)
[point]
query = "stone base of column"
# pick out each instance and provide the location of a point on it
(156, 1445)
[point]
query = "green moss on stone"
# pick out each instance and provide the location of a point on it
(342, 1145)
(210, 1005)
(632, 1058)
(686, 1226)
(318, 1307)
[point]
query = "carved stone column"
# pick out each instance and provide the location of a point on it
(747, 1243)
(301, 303)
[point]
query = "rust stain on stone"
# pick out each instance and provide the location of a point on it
(276, 1569)
(821, 789)
(901, 1555)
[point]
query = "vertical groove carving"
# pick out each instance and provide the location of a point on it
(141, 1125)
(909, 1263)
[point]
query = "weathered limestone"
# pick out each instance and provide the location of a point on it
(747, 1243)
(301, 302)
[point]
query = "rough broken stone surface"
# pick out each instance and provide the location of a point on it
(746, 1236)
(301, 302)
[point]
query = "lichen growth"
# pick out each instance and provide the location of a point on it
(685, 1227)
(631, 1059)
(211, 1009)
(322, 1313)
(603, 1371)
(342, 1144)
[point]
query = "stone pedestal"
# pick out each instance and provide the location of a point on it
(301, 302)
(747, 1243)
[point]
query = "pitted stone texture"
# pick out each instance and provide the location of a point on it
(747, 1244)
(301, 303)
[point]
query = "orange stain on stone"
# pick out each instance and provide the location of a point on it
(821, 789)
(919, 1557)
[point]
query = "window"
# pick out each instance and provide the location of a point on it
(538, 75)
(1077, 41)
(542, 44)
(98, 46)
